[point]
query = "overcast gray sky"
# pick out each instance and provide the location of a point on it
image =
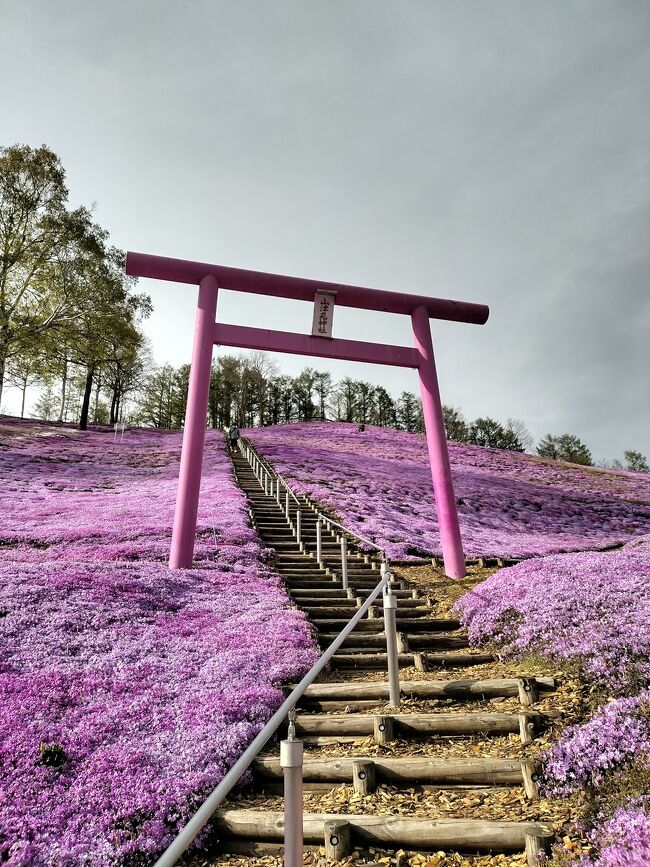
(485, 150)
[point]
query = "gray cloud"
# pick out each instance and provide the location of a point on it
(495, 152)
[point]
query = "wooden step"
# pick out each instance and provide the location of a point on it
(502, 687)
(314, 594)
(421, 661)
(419, 641)
(403, 770)
(323, 580)
(395, 832)
(421, 624)
(348, 602)
(408, 725)
(407, 593)
(318, 613)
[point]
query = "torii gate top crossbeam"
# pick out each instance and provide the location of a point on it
(301, 288)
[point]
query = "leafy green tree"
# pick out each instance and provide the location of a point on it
(281, 402)
(489, 432)
(323, 389)
(157, 398)
(366, 402)
(566, 447)
(547, 447)
(47, 404)
(385, 414)
(107, 313)
(456, 427)
(25, 369)
(409, 412)
(635, 461)
(571, 449)
(128, 358)
(303, 388)
(33, 225)
(346, 399)
(225, 388)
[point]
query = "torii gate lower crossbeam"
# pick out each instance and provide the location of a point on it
(208, 332)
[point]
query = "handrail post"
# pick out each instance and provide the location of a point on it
(390, 628)
(319, 541)
(298, 526)
(277, 491)
(266, 483)
(286, 505)
(344, 561)
(291, 753)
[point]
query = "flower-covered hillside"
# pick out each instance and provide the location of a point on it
(126, 690)
(509, 504)
(592, 607)
(591, 610)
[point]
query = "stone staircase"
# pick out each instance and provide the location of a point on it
(353, 738)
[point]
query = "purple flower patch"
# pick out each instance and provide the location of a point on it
(126, 690)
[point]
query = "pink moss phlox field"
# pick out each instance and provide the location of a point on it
(624, 839)
(616, 735)
(592, 607)
(126, 690)
(509, 504)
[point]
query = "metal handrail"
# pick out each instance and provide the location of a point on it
(351, 533)
(271, 469)
(176, 848)
(289, 491)
(320, 514)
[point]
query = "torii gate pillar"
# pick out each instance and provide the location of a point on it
(198, 395)
(434, 425)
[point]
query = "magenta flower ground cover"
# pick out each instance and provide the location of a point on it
(126, 691)
(509, 504)
(616, 735)
(593, 608)
(624, 839)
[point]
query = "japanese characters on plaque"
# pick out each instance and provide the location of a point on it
(321, 325)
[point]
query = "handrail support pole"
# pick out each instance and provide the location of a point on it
(319, 540)
(390, 628)
(291, 753)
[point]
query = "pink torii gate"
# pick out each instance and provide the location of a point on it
(209, 332)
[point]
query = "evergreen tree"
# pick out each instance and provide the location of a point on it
(488, 432)
(635, 461)
(385, 414)
(409, 412)
(323, 389)
(455, 425)
(566, 447)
